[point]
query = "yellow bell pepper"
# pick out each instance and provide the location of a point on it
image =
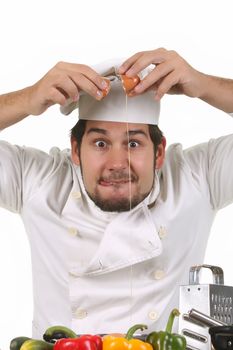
(119, 343)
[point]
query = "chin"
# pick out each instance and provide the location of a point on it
(115, 205)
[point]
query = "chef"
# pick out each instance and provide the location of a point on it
(115, 223)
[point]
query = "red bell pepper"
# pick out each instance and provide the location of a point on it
(85, 342)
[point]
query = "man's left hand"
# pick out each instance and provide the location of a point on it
(171, 73)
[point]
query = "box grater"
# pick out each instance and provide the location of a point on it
(214, 300)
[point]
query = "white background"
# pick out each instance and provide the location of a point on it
(34, 35)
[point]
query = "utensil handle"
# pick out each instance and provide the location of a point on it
(204, 319)
(217, 272)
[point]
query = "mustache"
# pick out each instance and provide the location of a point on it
(119, 176)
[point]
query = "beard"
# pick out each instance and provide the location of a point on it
(115, 204)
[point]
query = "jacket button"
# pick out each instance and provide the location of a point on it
(72, 231)
(162, 232)
(76, 195)
(159, 274)
(80, 313)
(153, 315)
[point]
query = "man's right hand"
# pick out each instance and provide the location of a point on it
(64, 80)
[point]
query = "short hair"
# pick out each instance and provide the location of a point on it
(79, 128)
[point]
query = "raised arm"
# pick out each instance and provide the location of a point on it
(13, 107)
(172, 74)
(63, 81)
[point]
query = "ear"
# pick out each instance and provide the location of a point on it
(74, 151)
(160, 154)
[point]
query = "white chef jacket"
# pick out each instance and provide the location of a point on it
(100, 272)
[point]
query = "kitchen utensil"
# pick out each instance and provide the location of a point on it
(203, 319)
(214, 300)
(222, 337)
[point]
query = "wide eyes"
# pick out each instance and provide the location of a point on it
(103, 144)
(133, 144)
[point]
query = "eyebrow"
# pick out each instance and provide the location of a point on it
(136, 132)
(97, 130)
(105, 132)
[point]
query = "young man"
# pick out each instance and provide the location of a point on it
(114, 226)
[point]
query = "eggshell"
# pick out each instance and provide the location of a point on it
(106, 90)
(129, 83)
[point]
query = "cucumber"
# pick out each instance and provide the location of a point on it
(34, 344)
(16, 343)
(58, 332)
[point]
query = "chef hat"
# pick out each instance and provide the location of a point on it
(142, 108)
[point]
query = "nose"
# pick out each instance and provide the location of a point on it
(118, 159)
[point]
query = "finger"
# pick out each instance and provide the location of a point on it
(150, 88)
(69, 88)
(166, 84)
(96, 79)
(55, 96)
(90, 73)
(161, 71)
(87, 85)
(149, 57)
(129, 62)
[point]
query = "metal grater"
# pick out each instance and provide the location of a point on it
(214, 300)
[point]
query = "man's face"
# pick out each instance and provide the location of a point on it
(117, 163)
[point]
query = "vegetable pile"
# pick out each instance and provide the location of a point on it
(63, 338)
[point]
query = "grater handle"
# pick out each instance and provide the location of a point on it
(217, 272)
(204, 319)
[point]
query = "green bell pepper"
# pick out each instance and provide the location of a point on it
(167, 340)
